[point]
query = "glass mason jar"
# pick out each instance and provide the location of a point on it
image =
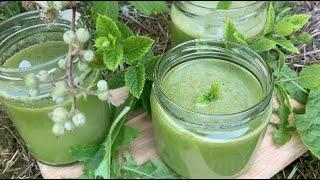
(26, 37)
(196, 140)
(201, 19)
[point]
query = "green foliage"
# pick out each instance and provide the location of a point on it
(310, 77)
(135, 78)
(125, 30)
(224, 4)
(292, 87)
(308, 125)
(263, 44)
(231, 34)
(283, 132)
(106, 26)
(135, 47)
(290, 24)
(106, 8)
(270, 20)
(113, 55)
(212, 94)
(150, 7)
(303, 38)
(287, 45)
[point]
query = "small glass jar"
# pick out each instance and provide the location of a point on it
(201, 19)
(27, 35)
(199, 144)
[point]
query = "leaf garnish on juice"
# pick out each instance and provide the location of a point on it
(212, 94)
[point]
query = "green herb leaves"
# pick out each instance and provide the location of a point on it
(308, 125)
(119, 46)
(270, 20)
(263, 44)
(136, 47)
(106, 8)
(310, 77)
(224, 4)
(135, 78)
(212, 94)
(150, 7)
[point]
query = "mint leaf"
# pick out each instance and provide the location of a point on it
(270, 20)
(135, 78)
(287, 45)
(224, 4)
(116, 80)
(135, 47)
(125, 30)
(231, 34)
(263, 44)
(107, 8)
(106, 26)
(298, 20)
(303, 38)
(308, 125)
(292, 87)
(284, 28)
(102, 42)
(283, 132)
(112, 56)
(150, 7)
(310, 77)
(149, 62)
(145, 96)
(212, 94)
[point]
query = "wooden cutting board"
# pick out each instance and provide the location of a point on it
(270, 159)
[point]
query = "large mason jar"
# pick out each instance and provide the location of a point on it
(211, 104)
(202, 19)
(29, 44)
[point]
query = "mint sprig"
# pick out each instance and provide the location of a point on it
(210, 95)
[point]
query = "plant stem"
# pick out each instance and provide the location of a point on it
(286, 80)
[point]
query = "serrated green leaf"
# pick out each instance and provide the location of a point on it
(135, 79)
(145, 96)
(125, 30)
(135, 47)
(224, 4)
(293, 87)
(116, 80)
(308, 125)
(106, 26)
(149, 62)
(102, 42)
(303, 38)
(263, 44)
(283, 28)
(106, 8)
(287, 45)
(270, 20)
(112, 56)
(310, 77)
(150, 7)
(231, 34)
(298, 20)
(283, 132)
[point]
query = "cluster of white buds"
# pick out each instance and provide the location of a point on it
(66, 121)
(50, 9)
(102, 87)
(77, 39)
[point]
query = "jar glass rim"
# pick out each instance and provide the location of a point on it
(224, 10)
(263, 102)
(28, 15)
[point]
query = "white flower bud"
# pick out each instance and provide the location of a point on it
(79, 119)
(58, 129)
(59, 100)
(83, 35)
(88, 55)
(43, 75)
(33, 92)
(102, 85)
(69, 126)
(103, 96)
(59, 115)
(82, 66)
(69, 37)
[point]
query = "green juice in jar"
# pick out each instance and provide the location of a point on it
(31, 119)
(201, 153)
(201, 19)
